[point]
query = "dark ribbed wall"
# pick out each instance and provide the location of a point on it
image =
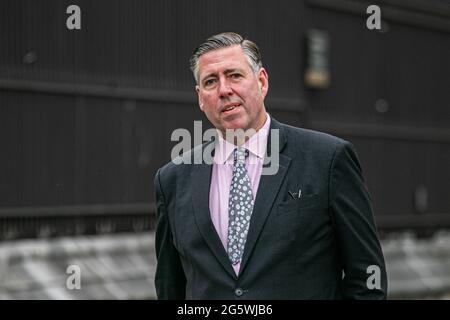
(144, 43)
(86, 116)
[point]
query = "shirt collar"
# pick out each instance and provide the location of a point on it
(256, 145)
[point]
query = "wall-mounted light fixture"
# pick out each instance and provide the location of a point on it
(317, 73)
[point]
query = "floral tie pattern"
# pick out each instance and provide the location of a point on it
(240, 207)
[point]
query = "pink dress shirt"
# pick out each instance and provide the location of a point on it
(222, 174)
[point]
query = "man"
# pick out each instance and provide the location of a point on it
(226, 230)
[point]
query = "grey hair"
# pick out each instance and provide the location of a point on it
(223, 40)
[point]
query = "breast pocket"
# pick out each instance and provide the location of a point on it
(297, 204)
(296, 218)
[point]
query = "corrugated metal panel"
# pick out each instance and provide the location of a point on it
(86, 116)
(144, 43)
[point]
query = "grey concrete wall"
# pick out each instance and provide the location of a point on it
(122, 266)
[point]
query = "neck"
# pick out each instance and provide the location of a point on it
(240, 136)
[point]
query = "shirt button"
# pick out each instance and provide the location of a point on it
(238, 292)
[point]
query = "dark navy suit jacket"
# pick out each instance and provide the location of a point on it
(318, 246)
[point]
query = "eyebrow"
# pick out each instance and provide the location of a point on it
(226, 72)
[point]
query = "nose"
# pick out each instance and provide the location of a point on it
(225, 89)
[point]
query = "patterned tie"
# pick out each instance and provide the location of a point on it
(240, 207)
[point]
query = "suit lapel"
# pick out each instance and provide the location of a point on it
(200, 185)
(269, 186)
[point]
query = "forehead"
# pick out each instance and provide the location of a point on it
(231, 57)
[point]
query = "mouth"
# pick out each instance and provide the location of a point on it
(230, 107)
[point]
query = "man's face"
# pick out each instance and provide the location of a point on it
(230, 94)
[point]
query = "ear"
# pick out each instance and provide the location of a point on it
(263, 81)
(200, 100)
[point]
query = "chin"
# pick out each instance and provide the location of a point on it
(236, 124)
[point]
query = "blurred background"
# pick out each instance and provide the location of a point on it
(86, 117)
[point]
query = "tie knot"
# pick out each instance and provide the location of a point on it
(240, 154)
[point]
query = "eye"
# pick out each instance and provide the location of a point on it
(209, 82)
(235, 75)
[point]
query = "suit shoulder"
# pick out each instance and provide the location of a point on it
(182, 162)
(314, 139)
